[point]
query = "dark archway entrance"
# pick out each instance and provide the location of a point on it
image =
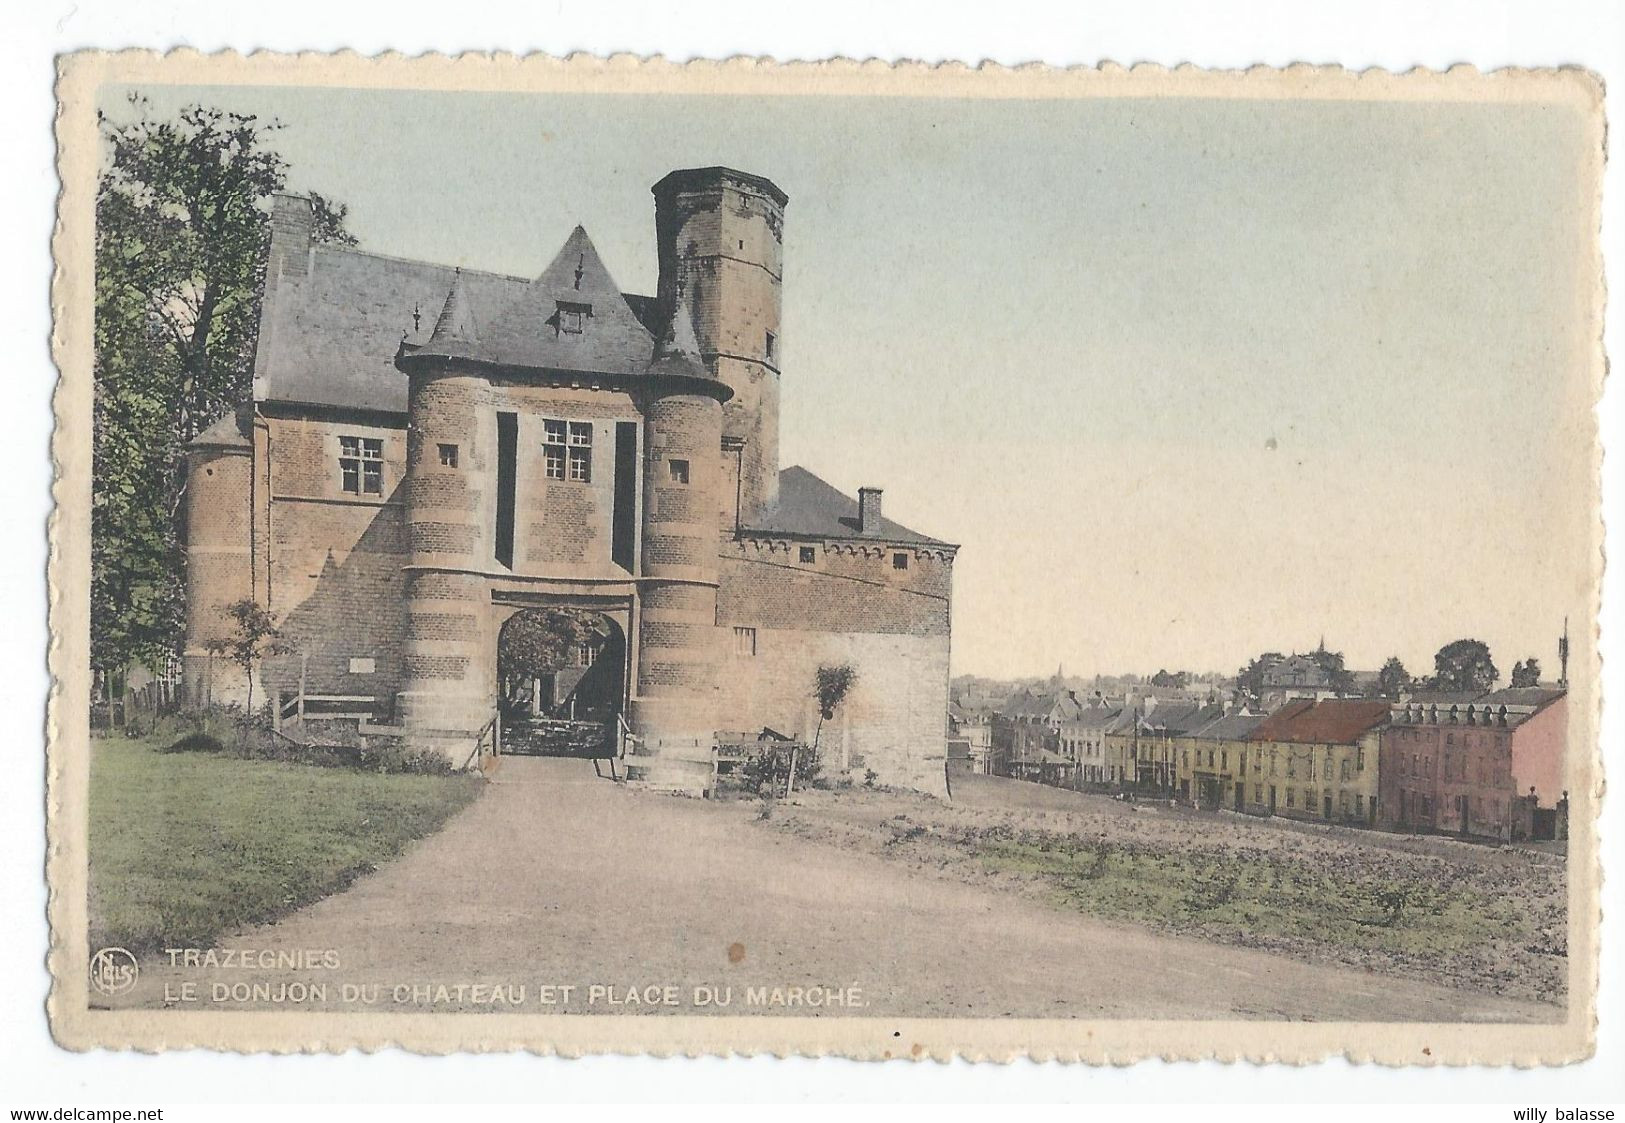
(562, 675)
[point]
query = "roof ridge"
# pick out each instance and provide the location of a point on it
(352, 251)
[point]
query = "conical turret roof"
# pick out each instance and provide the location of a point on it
(678, 350)
(456, 322)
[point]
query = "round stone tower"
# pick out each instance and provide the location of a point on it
(450, 467)
(219, 562)
(720, 235)
(674, 709)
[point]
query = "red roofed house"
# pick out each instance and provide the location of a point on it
(1320, 759)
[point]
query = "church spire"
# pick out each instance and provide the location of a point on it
(456, 322)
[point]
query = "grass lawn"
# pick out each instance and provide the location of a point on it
(186, 846)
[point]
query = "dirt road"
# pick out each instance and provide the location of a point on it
(556, 877)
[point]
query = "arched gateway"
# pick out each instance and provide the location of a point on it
(563, 676)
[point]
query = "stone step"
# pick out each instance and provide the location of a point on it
(688, 777)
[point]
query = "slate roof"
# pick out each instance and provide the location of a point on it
(1536, 696)
(224, 433)
(1230, 727)
(330, 337)
(1336, 721)
(1121, 722)
(808, 507)
(1443, 697)
(1175, 718)
(1030, 703)
(1097, 717)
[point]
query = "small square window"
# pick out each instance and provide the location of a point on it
(745, 641)
(448, 456)
(809, 554)
(678, 470)
(899, 561)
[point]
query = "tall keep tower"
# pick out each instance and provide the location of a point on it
(720, 234)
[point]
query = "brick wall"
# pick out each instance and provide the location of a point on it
(334, 581)
(337, 592)
(765, 588)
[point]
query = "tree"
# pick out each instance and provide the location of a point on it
(1393, 679)
(254, 639)
(1464, 665)
(1177, 680)
(1338, 677)
(831, 685)
(181, 236)
(539, 642)
(1526, 673)
(1250, 679)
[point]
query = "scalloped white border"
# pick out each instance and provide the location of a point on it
(1100, 1042)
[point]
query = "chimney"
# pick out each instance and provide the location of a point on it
(293, 225)
(868, 510)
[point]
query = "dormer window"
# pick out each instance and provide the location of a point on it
(572, 317)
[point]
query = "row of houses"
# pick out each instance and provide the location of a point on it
(1486, 765)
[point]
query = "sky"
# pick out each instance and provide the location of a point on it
(1186, 379)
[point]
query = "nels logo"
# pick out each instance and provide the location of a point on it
(113, 971)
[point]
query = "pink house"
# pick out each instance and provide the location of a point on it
(1538, 739)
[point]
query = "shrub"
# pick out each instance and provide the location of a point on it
(768, 769)
(252, 737)
(195, 743)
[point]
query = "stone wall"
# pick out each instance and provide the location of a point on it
(219, 568)
(720, 239)
(778, 623)
(894, 722)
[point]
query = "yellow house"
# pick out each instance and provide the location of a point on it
(1318, 760)
(1218, 767)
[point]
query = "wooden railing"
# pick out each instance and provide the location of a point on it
(490, 733)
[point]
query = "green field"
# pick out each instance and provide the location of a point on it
(187, 846)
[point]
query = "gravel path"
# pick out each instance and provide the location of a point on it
(554, 877)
